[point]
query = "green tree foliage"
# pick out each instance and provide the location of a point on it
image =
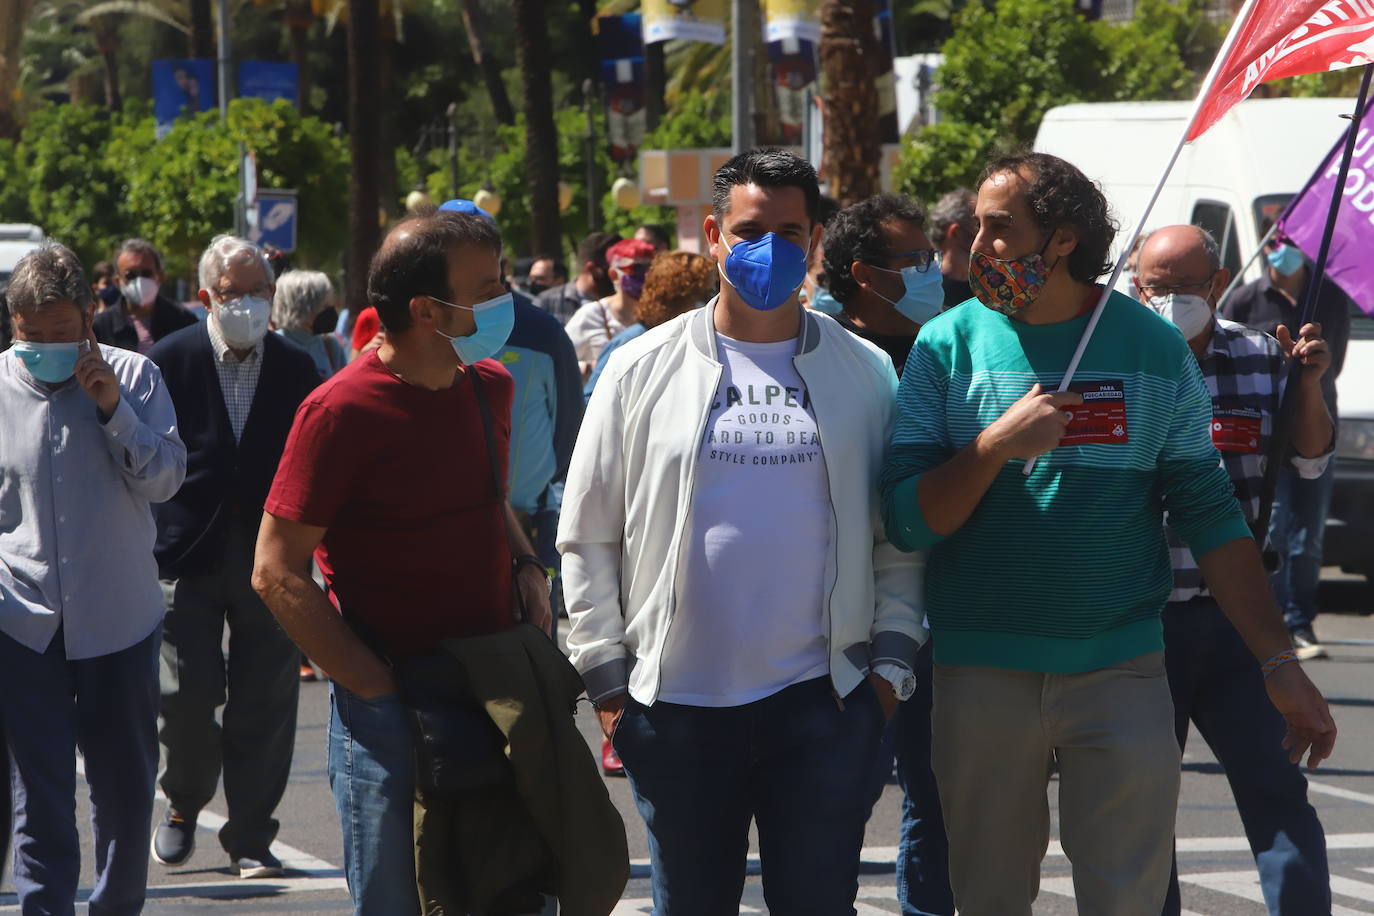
(74, 191)
(1001, 76)
(89, 179)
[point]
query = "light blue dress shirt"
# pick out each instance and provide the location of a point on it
(76, 527)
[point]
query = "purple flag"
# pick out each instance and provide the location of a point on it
(1349, 263)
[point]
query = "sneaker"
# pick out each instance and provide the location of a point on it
(1305, 641)
(175, 839)
(308, 672)
(610, 760)
(258, 865)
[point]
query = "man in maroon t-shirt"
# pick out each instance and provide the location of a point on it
(388, 481)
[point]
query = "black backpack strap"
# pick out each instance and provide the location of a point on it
(493, 455)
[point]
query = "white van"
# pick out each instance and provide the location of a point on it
(1244, 169)
(16, 240)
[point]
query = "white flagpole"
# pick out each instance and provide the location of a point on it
(1207, 84)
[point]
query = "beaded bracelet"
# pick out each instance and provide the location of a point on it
(1283, 658)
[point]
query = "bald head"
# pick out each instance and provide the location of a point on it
(1182, 259)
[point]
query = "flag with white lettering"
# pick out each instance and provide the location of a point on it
(1348, 262)
(1279, 38)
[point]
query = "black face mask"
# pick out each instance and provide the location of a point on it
(109, 295)
(535, 289)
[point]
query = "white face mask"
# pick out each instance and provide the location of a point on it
(243, 322)
(140, 291)
(1190, 314)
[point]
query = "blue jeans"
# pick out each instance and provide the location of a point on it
(1296, 531)
(107, 708)
(371, 772)
(795, 762)
(1216, 683)
(923, 856)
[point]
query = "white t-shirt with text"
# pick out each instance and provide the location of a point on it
(751, 618)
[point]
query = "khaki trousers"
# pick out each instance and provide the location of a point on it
(995, 733)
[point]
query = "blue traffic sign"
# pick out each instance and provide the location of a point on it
(278, 214)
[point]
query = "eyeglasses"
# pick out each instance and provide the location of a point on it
(224, 295)
(1153, 291)
(132, 275)
(921, 258)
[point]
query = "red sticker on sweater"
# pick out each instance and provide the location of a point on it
(1237, 429)
(1101, 418)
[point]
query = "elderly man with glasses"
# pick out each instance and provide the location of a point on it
(1212, 676)
(141, 316)
(236, 388)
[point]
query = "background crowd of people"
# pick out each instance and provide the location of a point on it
(767, 484)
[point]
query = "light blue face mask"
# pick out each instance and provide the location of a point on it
(1286, 259)
(53, 363)
(825, 303)
(494, 318)
(925, 292)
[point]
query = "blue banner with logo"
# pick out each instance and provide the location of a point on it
(270, 80)
(181, 86)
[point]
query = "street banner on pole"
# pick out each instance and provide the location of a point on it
(622, 76)
(794, 81)
(269, 80)
(1280, 38)
(1348, 263)
(181, 86)
(797, 20)
(690, 20)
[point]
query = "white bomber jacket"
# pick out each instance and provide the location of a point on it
(628, 503)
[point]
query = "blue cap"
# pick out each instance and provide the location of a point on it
(458, 205)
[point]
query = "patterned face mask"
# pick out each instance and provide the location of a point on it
(1009, 285)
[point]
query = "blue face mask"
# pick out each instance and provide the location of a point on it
(925, 292)
(53, 363)
(766, 271)
(1286, 259)
(495, 318)
(825, 303)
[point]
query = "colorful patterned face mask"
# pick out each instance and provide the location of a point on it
(1009, 285)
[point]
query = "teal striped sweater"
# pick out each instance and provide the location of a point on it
(1066, 570)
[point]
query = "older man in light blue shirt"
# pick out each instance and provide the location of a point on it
(90, 440)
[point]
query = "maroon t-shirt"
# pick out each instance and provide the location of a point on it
(400, 477)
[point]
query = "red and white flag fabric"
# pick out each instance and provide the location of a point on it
(1278, 38)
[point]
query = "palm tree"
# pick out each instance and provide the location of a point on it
(475, 25)
(363, 115)
(849, 55)
(541, 136)
(15, 14)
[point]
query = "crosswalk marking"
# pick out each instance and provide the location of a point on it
(1245, 884)
(1338, 792)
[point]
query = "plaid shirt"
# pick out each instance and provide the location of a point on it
(238, 379)
(1242, 368)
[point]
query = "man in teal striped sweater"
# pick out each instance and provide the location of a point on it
(1044, 591)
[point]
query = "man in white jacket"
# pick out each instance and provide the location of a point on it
(740, 619)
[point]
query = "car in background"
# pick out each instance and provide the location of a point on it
(1350, 523)
(16, 240)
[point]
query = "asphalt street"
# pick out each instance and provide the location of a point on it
(1218, 872)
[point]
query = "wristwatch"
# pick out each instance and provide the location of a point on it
(529, 559)
(903, 681)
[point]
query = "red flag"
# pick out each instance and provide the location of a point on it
(1278, 38)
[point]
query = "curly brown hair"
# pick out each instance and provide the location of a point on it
(678, 281)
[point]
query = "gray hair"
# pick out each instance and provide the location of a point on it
(49, 274)
(301, 294)
(955, 208)
(139, 246)
(225, 250)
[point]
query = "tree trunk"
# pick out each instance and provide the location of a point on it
(299, 19)
(541, 136)
(474, 25)
(586, 42)
(201, 39)
(388, 183)
(363, 225)
(107, 43)
(15, 14)
(849, 55)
